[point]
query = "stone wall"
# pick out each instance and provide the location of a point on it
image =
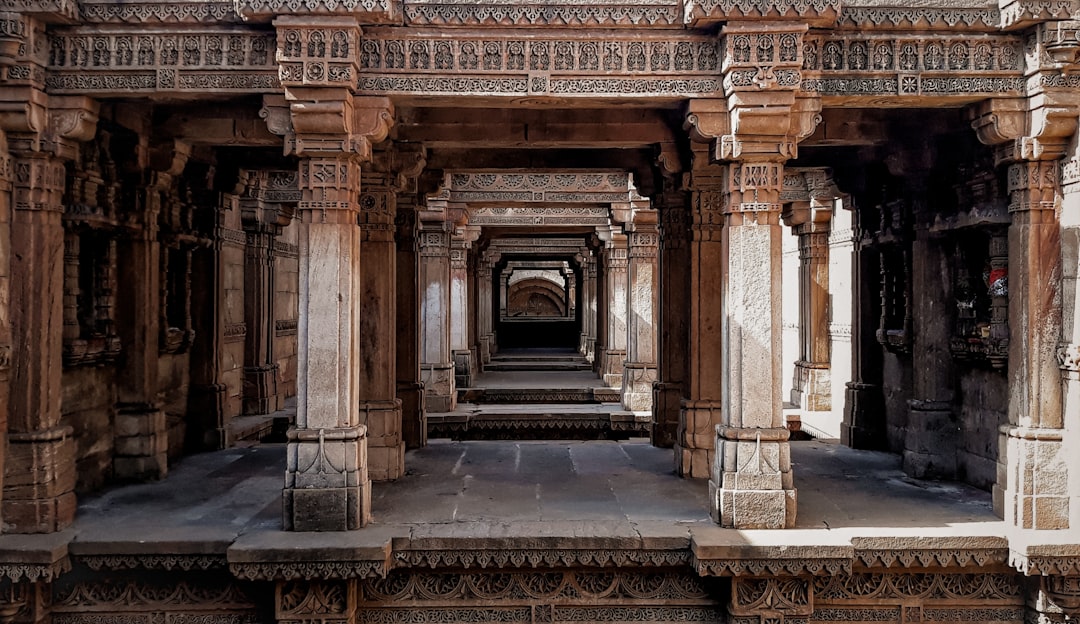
(984, 397)
(88, 407)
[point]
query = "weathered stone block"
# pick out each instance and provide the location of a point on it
(40, 515)
(327, 509)
(141, 468)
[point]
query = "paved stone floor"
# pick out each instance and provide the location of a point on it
(521, 490)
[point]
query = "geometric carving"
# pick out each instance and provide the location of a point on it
(562, 13)
(218, 600)
(789, 596)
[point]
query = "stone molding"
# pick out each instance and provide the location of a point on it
(307, 570)
(33, 572)
(540, 558)
(562, 13)
(153, 562)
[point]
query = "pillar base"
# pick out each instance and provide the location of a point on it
(483, 351)
(930, 440)
(260, 390)
(209, 401)
(413, 422)
(327, 487)
(864, 422)
(637, 386)
(590, 349)
(464, 367)
(812, 389)
(385, 449)
(1036, 494)
(696, 438)
(752, 485)
(39, 481)
(667, 398)
(439, 392)
(612, 368)
(140, 443)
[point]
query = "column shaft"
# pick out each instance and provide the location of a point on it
(437, 364)
(327, 487)
(643, 290)
(617, 307)
(812, 388)
(410, 388)
(752, 481)
(459, 312)
(673, 333)
(261, 395)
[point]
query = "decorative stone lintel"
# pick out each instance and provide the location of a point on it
(822, 13)
(1019, 14)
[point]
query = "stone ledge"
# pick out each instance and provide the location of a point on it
(286, 555)
(41, 557)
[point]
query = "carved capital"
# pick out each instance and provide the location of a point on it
(762, 57)
(1064, 592)
(332, 121)
(707, 120)
(1038, 128)
(317, 51)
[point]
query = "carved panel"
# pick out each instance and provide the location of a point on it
(912, 65)
(217, 601)
(672, 65)
(560, 13)
(139, 60)
(539, 596)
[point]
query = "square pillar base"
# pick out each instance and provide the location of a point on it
(140, 443)
(930, 440)
(261, 394)
(440, 394)
(667, 399)
(39, 481)
(637, 386)
(327, 487)
(696, 438)
(385, 449)
(752, 482)
(464, 367)
(611, 368)
(1036, 494)
(812, 390)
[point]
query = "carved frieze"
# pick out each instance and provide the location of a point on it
(219, 601)
(672, 65)
(863, 14)
(560, 13)
(178, 59)
(912, 65)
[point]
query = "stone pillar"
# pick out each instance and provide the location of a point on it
(6, 188)
(39, 465)
(1036, 486)
(616, 308)
(464, 365)
(812, 389)
(380, 410)
(410, 388)
(864, 403)
(931, 433)
(1034, 465)
(484, 304)
(261, 394)
(752, 481)
(701, 411)
(436, 361)
(327, 484)
(643, 292)
(590, 304)
(674, 330)
(141, 431)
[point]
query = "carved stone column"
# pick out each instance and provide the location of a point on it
(1035, 468)
(141, 432)
(673, 337)
(931, 432)
(812, 388)
(436, 361)
(616, 308)
(7, 177)
(464, 364)
(39, 464)
(864, 403)
(410, 388)
(590, 305)
(643, 292)
(701, 410)
(484, 299)
(380, 410)
(327, 486)
(263, 220)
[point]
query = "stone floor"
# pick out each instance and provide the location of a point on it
(519, 490)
